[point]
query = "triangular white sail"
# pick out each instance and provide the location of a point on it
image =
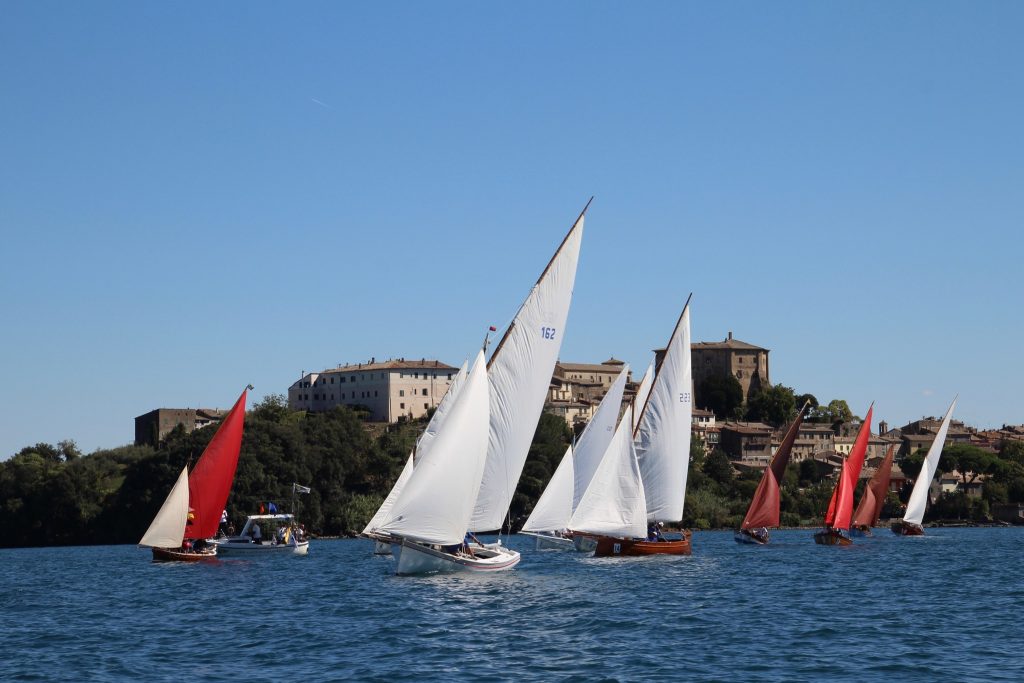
(520, 375)
(168, 527)
(614, 504)
(554, 507)
(436, 503)
(663, 435)
(593, 443)
(643, 392)
(919, 496)
(422, 447)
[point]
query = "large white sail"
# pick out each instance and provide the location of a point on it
(642, 394)
(614, 504)
(168, 527)
(554, 507)
(663, 435)
(520, 376)
(919, 496)
(422, 447)
(436, 503)
(593, 443)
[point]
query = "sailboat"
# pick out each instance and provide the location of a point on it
(840, 507)
(382, 544)
(869, 509)
(429, 520)
(519, 375)
(548, 523)
(645, 467)
(191, 513)
(764, 507)
(910, 525)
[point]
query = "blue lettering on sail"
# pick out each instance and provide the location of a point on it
(547, 333)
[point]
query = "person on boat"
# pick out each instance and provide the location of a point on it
(257, 533)
(279, 536)
(467, 544)
(223, 528)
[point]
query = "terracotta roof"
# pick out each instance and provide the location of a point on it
(399, 364)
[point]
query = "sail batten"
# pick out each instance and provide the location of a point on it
(919, 495)
(519, 374)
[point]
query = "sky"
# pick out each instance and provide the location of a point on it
(198, 196)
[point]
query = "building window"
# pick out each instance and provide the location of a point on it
(425, 406)
(332, 380)
(332, 397)
(401, 392)
(449, 376)
(375, 394)
(402, 406)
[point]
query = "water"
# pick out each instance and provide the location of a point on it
(942, 607)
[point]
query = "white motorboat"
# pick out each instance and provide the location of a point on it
(279, 535)
(423, 558)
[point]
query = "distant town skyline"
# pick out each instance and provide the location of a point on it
(198, 199)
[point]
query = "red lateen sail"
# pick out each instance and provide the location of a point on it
(854, 463)
(870, 507)
(210, 481)
(764, 508)
(844, 498)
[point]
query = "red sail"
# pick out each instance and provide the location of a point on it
(844, 499)
(210, 480)
(853, 465)
(764, 508)
(870, 507)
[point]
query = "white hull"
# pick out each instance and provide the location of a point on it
(549, 541)
(381, 548)
(228, 548)
(417, 558)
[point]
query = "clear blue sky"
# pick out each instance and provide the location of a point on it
(197, 196)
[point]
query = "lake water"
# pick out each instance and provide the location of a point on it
(947, 606)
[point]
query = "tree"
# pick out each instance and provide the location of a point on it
(721, 394)
(1012, 451)
(968, 460)
(775, 405)
(719, 468)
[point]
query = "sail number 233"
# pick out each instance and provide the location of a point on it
(547, 332)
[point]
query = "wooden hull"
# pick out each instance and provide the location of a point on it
(902, 528)
(624, 547)
(179, 555)
(744, 536)
(862, 530)
(831, 537)
(584, 544)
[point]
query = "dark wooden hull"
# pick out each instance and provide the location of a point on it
(624, 547)
(744, 536)
(179, 555)
(901, 528)
(831, 537)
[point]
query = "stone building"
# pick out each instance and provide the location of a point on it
(153, 426)
(577, 389)
(750, 443)
(746, 362)
(388, 390)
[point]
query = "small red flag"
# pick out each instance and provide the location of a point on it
(492, 328)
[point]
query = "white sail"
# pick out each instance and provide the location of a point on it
(593, 443)
(520, 376)
(385, 507)
(643, 392)
(422, 447)
(614, 504)
(436, 503)
(663, 436)
(919, 496)
(168, 527)
(554, 507)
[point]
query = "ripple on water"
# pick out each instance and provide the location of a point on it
(943, 607)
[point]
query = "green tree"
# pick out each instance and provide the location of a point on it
(718, 467)
(774, 405)
(1012, 451)
(721, 394)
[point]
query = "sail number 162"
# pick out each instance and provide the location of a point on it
(547, 332)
